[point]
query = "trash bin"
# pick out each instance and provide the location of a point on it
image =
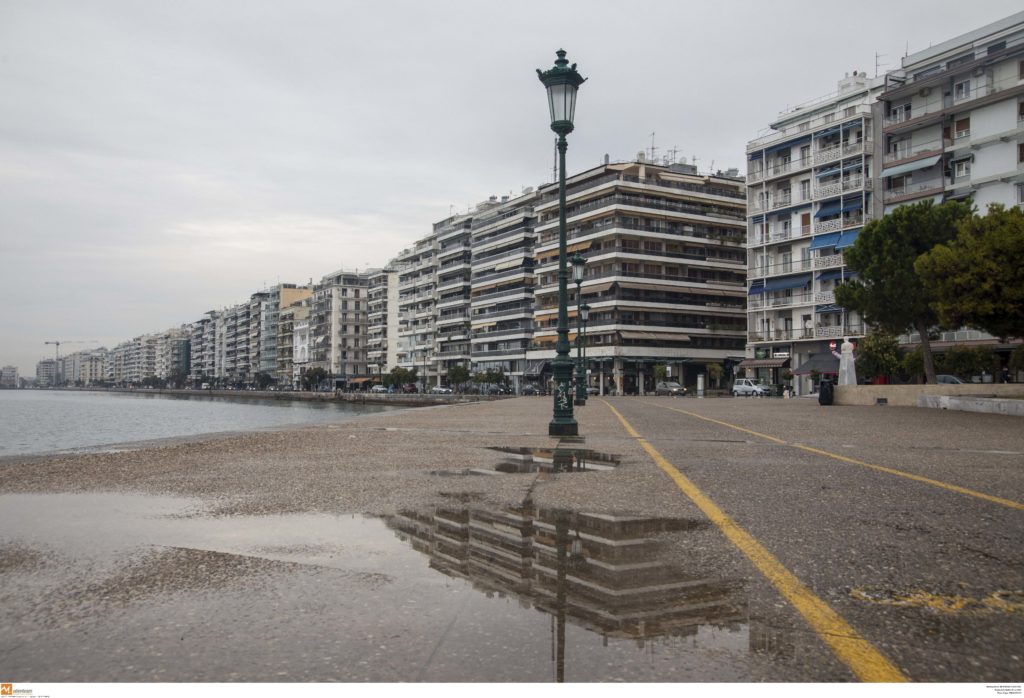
(825, 392)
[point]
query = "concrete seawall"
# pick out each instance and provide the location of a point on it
(405, 399)
(911, 395)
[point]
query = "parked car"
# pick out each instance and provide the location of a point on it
(441, 390)
(948, 379)
(378, 389)
(750, 386)
(669, 388)
(529, 390)
(593, 390)
(410, 388)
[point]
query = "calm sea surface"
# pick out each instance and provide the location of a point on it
(41, 421)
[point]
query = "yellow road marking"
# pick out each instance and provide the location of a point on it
(866, 662)
(881, 468)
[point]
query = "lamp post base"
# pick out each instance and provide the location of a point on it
(564, 428)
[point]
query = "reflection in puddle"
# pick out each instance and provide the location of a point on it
(599, 572)
(553, 460)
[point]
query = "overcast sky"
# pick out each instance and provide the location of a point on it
(161, 159)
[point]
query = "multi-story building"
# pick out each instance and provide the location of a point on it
(664, 275)
(417, 308)
(203, 348)
(339, 326)
(382, 321)
(295, 312)
(173, 354)
(302, 342)
(451, 337)
(501, 302)
(265, 334)
(46, 373)
(954, 128)
(810, 190)
(9, 377)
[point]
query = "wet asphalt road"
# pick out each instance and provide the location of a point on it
(391, 549)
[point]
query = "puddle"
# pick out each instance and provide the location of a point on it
(457, 593)
(553, 460)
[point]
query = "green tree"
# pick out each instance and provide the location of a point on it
(965, 362)
(888, 293)
(262, 380)
(1016, 362)
(399, 376)
(458, 375)
(878, 354)
(978, 278)
(314, 377)
(660, 372)
(912, 365)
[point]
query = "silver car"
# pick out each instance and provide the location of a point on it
(750, 386)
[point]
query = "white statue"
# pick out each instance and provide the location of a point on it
(847, 371)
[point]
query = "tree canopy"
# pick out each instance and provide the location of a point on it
(977, 278)
(888, 293)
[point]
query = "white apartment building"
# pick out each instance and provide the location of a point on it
(382, 321)
(809, 192)
(451, 337)
(302, 344)
(417, 311)
(501, 302)
(46, 373)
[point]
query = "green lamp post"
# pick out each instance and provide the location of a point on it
(579, 263)
(562, 81)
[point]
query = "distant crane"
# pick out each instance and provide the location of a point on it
(56, 351)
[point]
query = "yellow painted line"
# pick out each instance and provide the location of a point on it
(866, 662)
(881, 468)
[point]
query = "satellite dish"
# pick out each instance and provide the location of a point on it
(808, 324)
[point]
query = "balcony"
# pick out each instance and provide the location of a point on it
(832, 260)
(912, 191)
(847, 184)
(839, 223)
(780, 335)
(824, 297)
(919, 151)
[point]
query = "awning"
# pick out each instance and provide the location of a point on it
(786, 145)
(763, 363)
(655, 336)
(598, 288)
(827, 240)
(509, 264)
(966, 155)
(357, 381)
(759, 218)
(828, 172)
(756, 288)
(535, 368)
(851, 124)
(830, 308)
(831, 208)
(756, 155)
(827, 132)
(910, 166)
(853, 206)
(847, 238)
(833, 274)
(822, 363)
(787, 282)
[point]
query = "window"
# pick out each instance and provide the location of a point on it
(900, 113)
(804, 126)
(805, 152)
(1020, 111)
(849, 111)
(1020, 152)
(963, 127)
(962, 169)
(805, 189)
(962, 90)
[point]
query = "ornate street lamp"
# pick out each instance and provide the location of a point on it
(562, 81)
(579, 263)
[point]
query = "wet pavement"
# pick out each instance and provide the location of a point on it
(447, 545)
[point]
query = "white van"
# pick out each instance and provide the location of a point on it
(750, 386)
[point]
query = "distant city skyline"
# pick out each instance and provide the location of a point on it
(159, 161)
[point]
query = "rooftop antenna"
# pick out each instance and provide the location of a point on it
(878, 63)
(673, 152)
(653, 149)
(694, 160)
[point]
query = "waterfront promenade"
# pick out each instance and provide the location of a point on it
(694, 541)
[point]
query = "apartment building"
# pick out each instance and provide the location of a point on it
(454, 256)
(9, 377)
(338, 322)
(502, 284)
(954, 128)
(382, 321)
(417, 308)
(202, 346)
(810, 189)
(270, 305)
(664, 275)
(46, 373)
(289, 316)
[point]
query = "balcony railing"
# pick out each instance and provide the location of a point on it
(839, 223)
(840, 186)
(922, 149)
(780, 335)
(910, 190)
(832, 260)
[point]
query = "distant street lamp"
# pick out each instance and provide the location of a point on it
(579, 263)
(562, 81)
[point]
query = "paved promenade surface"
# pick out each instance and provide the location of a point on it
(691, 541)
